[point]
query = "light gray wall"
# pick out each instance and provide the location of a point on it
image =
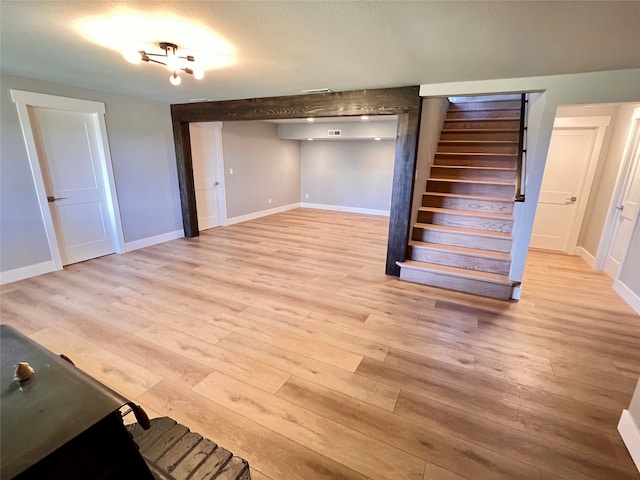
(354, 173)
(434, 111)
(634, 407)
(614, 86)
(630, 274)
(141, 143)
(359, 130)
(606, 174)
(263, 167)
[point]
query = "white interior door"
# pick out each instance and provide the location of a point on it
(562, 187)
(67, 144)
(206, 155)
(627, 206)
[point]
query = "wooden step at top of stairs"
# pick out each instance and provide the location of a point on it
(465, 231)
(480, 142)
(483, 130)
(515, 118)
(486, 105)
(471, 167)
(456, 272)
(467, 213)
(472, 252)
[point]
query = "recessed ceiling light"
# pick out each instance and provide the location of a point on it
(364, 117)
(310, 139)
(377, 139)
(309, 119)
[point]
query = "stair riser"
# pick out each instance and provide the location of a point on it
(482, 114)
(477, 162)
(453, 259)
(476, 287)
(472, 174)
(453, 220)
(462, 240)
(473, 124)
(453, 203)
(507, 191)
(477, 147)
(501, 105)
(486, 135)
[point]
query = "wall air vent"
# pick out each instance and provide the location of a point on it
(334, 133)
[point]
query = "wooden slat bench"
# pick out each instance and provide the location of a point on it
(173, 452)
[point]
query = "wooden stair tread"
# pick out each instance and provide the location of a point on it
(465, 231)
(484, 182)
(456, 272)
(467, 213)
(489, 119)
(488, 154)
(470, 197)
(476, 252)
(510, 142)
(476, 130)
(471, 167)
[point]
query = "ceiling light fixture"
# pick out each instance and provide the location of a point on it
(364, 117)
(171, 60)
(377, 139)
(310, 119)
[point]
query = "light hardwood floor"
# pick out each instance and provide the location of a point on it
(282, 340)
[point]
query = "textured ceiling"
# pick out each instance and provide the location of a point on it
(282, 48)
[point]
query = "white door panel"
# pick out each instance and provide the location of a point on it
(627, 207)
(207, 179)
(67, 145)
(569, 153)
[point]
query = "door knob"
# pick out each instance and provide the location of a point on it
(216, 184)
(53, 199)
(620, 207)
(572, 199)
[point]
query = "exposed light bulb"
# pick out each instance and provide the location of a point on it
(198, 73)
(173, 62)
(132, 56)
(175, 79)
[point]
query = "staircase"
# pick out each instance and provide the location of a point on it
(462, 238)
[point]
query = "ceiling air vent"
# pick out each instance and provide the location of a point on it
(334, 133)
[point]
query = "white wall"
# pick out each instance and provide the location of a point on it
(434, 112)
(355, 174)
(141, 143)
(582, 88)
(358, 130)
(264, 167)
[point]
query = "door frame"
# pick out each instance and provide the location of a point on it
(600, 124)
(216, 129)
(608, 231)
(23, 101)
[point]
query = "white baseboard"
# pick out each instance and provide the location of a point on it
(586, 256)
(627, 295)
(26, 272)
(630, 434)
(261, 213)
(339, 208)
(147, 242)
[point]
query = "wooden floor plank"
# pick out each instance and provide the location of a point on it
(282, 309)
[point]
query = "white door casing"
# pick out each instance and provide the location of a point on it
(625, 206)
(208, 176)
(569, 172)
(84, 121)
